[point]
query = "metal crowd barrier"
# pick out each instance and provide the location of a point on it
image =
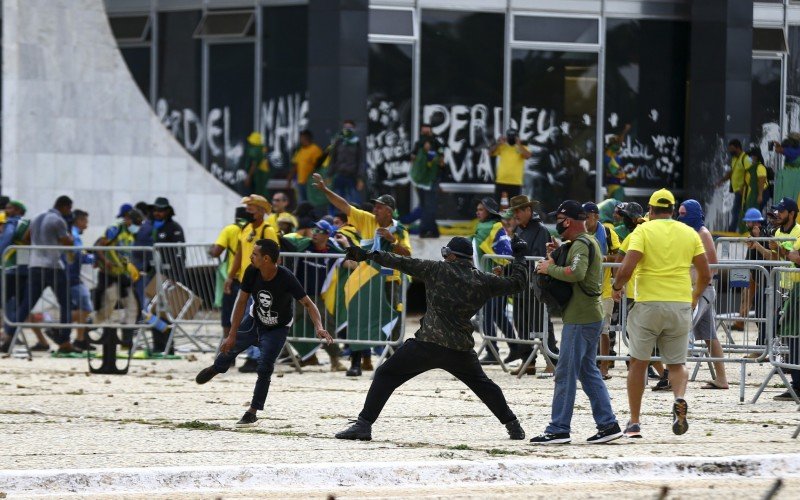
(735, 248)
(361, 304)
(95, 288)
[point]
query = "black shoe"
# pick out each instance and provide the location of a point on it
(548, 438)
(40, 347)
(679, 410)
(80, 344)
(354, 371)
(247, 420)
(786, 396)
(361, 430)
(663, 385)
(610, 433)
(651, 373)
(489, 359)
(515, 431)
(5, 346)
(249, 366)
(512, 356)
(205, 375)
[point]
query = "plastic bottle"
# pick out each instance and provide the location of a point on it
(504, 200)
(155, 322)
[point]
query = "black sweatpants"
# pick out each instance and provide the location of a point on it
(414, 358)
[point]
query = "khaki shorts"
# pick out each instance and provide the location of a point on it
(662, 324)
(608, 310)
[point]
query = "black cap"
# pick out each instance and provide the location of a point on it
(386, 199)
(161, 202)
(461, 247)
(591, 208)
(786, 203)
(571, 209)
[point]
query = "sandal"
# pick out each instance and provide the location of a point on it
(712, 385)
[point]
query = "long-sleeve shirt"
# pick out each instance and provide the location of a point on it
(585, 276)
(454, 292)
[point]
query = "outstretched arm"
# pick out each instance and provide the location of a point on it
(312, 311)
(417, 268)
(335, 200)
(515, 283)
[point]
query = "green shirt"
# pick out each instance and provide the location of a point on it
(584, 275)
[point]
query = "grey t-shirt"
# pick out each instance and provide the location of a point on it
(46, 229)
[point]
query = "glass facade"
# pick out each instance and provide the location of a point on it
(765, 111)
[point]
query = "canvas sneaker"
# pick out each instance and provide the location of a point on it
(610, 433)
(550, 438)
(633, 430)
(247, 420)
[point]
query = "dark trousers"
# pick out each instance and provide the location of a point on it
(269, 341)
(428, 201)
(529, 317)
(494, 317)
(39, 279)
(414, 358)
(736, 212)
(793, 343)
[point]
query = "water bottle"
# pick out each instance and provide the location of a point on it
(155, 322)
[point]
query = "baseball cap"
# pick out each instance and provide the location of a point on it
(124, 209)
(325, 226)
(459, 246)
(591, 208)
(571, 209)
(662, 198)
(631, 209)
(385, 199)
(21, 206)
(786, 203)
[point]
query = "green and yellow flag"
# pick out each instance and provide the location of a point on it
(370, 316)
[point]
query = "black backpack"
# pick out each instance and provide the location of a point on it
(556, 294)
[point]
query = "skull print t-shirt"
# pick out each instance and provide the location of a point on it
(272, 300)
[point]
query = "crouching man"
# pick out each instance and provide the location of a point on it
(454, 292)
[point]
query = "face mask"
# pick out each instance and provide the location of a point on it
(511, 138)
(614, 148)
(560, 227)
(347, 132)
(629, 223)
(133, 228)
(159, 224)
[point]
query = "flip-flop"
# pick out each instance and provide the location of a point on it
(712, 385)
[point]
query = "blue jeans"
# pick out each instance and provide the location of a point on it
(577, 361)
(39, 279)
(736, 212)
(346, 188)
(269, 341)
(427, 201)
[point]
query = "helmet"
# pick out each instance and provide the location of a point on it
(753, 215)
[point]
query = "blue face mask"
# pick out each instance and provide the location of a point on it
(694, 217)
(133, 228)
(158, 224)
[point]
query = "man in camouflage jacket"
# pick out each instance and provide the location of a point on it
(454, 292)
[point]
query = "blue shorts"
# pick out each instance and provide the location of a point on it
(80, 298)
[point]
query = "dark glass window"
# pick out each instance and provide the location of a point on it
(130, 28)
(646, 85)
(793, 81)
(769, 39)
(555, 29)
(138, 61)
(284, 106)
(389, 131)
(231, 81)
(391, 22)
(179, 78)
(554, 107)
(765, 114)
(462, 96)
(225, 24)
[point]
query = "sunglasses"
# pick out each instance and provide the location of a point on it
(318, 231)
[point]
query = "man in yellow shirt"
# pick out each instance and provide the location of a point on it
(380, 232)
(304, 163)
(510, 174)
(258, 207)
(662, 251)
(228, 242)
(740, 162)
(280, 203)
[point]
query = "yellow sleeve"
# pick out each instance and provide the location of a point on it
(614, 244)
(223, 238)
(405, 242)
(362, 220)
(271, 234)
(761, 171)
(635, 241)
(272, 221)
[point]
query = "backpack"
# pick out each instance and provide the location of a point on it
(556, 294)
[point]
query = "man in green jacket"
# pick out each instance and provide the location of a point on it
(583, 322)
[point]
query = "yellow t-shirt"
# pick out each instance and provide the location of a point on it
(510, 165)
(613, 246)
(738, 166)
(788, 279)
(366, 225)
(306, 159)
(229, 240)
(247, 240)
(761, 173)
(272, 220)
(667, 247)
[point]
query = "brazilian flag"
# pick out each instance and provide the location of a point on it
(370, 316)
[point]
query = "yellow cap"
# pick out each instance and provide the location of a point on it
(662, 198)
(255, 139)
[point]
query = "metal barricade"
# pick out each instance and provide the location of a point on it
(522, 319)
(737, 248)
(784, 348)
(86, 288)
(361, 304)
(186, 291)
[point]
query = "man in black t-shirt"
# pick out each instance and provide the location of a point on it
(270, 315)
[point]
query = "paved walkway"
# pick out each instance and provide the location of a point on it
(59, 417)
